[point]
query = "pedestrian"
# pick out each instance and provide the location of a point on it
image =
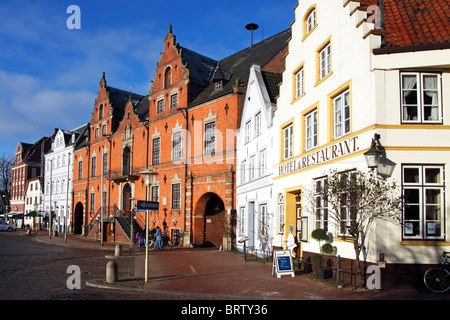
(158, 236)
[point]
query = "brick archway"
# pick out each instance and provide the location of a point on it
(78, 219)
(209, 225)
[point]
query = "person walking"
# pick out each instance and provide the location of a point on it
(158, 236)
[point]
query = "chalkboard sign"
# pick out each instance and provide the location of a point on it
(282, 263)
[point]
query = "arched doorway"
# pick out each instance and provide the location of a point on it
(212, 227)
(78, 218)
(126, 198)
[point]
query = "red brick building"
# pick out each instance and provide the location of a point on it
(184, 130)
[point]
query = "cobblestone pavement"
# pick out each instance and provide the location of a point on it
(35, 267)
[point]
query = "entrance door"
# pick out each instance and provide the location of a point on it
(78, 219)
(214, 222)
(126, 198)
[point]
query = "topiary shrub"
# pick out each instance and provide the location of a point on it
(327, 248)
(319, 234)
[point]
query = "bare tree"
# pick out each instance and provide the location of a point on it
(5, 178)
(357, 199)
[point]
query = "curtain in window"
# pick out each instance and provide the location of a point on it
(431, 90)
(409, 83)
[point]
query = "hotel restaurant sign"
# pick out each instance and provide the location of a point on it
(329, 153)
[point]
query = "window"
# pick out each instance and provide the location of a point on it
(80, 170)
(325, 61)
(105, 163)
(160, 106)
(156, 148)
(243, 169)
(94, 167)
(248, 127)
(242, 220)
(341, 109)
(258, 124)
(176, 146)
(100, 112)
(155, 193)
(262, 162)
(218, 85)
(311, 21)
(311, 130)
(280, 209)
(263, 220)
(299, 83)
(176, 196)
(167, 77)
(287, 142)
(96, 133)
(346, 214)
(421, 96)
(423, 209)
(210, 138)
(252, 168)
(174, 101)
(321, 204)
(92, 204)
(104, 130)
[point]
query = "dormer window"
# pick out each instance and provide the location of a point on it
(218, 85)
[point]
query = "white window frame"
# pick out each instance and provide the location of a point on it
(422, 187)
(242, 220)
(210, 138)
(280, 212)
(160, 106)
(288, 141)
(248, 128)
(311, 130)
(311, 21)
(258, 124)
(174, 101)
(262, 162)
(341, 122)
(264, 225)
(252, 168)
(156, 152)
(325, 61)
(321, 204)
(177, 149)
(299, 83)
(419, 88)
(243, 171)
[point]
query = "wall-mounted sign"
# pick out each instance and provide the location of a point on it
(329, 153)
(282, 263)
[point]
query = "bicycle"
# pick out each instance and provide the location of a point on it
(437, 279)
(167, 243)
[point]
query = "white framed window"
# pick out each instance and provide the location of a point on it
(156, 150)
(423, 208)
(242, 220)
(262, 162)
(248, 128)
(280, 211)
(321, 204)
(287, 141)
(311, 130)
(174, 101)
(176, 146)
(263, 220)
(325, 61)
(252, 168)
(311, 21)
(258, 124)
(299, 83)
(210, 138)
(421, 97)
(176, 196)
(160, 106)
(243, 171)
(341, 112)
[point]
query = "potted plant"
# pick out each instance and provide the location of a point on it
(317, 262)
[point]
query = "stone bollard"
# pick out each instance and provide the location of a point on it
(118, 251)
(111, 272)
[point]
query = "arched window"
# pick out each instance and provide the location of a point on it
(167, 77)
(100, 112)
(126, 161)
(280, 210)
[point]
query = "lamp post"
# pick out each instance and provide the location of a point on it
(373, 155)
(148, 181)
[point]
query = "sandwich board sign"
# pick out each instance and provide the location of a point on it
(282, 263)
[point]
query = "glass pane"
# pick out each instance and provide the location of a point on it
(412, 196)
(411, 175)
(412, 212)
(433, 229)
(432, 175)
(433, 196)
(433, 212)
(412, 228)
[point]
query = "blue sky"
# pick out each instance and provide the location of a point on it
(49, 74)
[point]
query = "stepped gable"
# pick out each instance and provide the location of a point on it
(118, 99)
(235, 68)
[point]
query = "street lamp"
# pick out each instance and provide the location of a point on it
(148, 181)
(373, 155)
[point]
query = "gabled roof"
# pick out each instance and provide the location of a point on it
(200, 67)
(118, 99)
(272, 81)
(236, 67)
(409, 23)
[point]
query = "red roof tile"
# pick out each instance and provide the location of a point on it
(415, 22)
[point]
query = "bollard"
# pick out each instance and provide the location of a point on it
(111, 272)
(118, 251)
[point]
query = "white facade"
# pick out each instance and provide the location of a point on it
(255, 169)
(335, 96)
(58, 178)
(33, 201)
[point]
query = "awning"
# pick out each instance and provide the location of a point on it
(33, 214)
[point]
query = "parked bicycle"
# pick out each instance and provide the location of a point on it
(437, 279)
